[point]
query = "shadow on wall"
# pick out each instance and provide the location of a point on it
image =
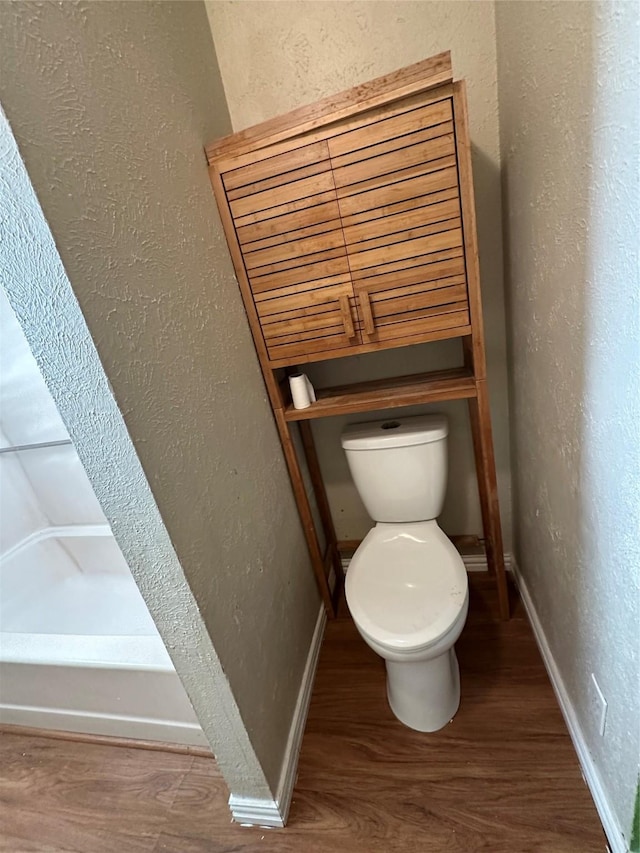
(610, 463)
(571, 180)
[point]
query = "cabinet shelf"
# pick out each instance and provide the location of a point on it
(455, 384)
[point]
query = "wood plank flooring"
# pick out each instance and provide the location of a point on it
(502, 777)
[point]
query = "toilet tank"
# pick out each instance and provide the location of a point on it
(399, 466)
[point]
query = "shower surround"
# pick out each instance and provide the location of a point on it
(79, 651)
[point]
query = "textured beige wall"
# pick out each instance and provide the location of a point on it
(275, 56)
(111, 104)
(570, 129)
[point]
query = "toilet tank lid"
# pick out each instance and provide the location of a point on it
(395, 432)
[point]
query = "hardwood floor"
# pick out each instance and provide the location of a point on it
(502, 777)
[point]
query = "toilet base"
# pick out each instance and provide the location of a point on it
(424, 695)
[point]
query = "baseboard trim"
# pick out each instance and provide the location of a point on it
(105, 740)
(250, 811)
(478, 562)
(85, 724)
(290, 763)
(590, 773)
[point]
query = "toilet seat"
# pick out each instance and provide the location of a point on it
(406, 585)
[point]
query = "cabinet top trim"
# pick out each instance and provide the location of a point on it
(419, 77)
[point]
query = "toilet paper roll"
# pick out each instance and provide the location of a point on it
(302, 393)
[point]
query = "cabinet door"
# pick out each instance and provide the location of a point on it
(398, 195)
(287, 222)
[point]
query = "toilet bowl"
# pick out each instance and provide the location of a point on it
(406, 586)
(407, 592)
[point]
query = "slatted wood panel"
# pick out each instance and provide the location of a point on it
(287, 221)
(357, 238)
(398, 196)
(309, 321)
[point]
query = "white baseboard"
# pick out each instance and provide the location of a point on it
(249, 811)
(290, 763)
(274, 813)
(478, 562)
(610, 824)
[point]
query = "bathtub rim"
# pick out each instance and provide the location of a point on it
(144, 652)
(62, 531)
(100, 651)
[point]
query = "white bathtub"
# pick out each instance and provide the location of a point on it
(78, 649)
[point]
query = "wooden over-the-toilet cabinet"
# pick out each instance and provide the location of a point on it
(351, 224)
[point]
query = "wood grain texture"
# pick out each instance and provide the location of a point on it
(420, 77)
(429, 271)
(368, 172)
(480, 417)
(502, 777)
(445, 318)
(273, 388)
(246, 155)
(294, 251)
(332, 555)
(469, 227)
(314, 253)
(433, 334)
(254, 174)
(437, 185)
(393, 215)
(418, 135)
(448, 219)
(366, 313)
(304, 510)
(269, 303)
(298, 205)
(378, 153)
(282, 195)
(454, 384)
(276, 235)
(434, 119)
(401, 225)
(433, 291)
(386, 189)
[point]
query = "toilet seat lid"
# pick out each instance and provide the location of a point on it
(406, 585)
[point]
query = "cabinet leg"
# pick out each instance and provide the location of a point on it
(304, 510)
(480, 417)
(320, 492)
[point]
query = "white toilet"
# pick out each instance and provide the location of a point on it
(406, 586)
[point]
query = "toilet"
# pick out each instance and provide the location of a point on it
(406, 585)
